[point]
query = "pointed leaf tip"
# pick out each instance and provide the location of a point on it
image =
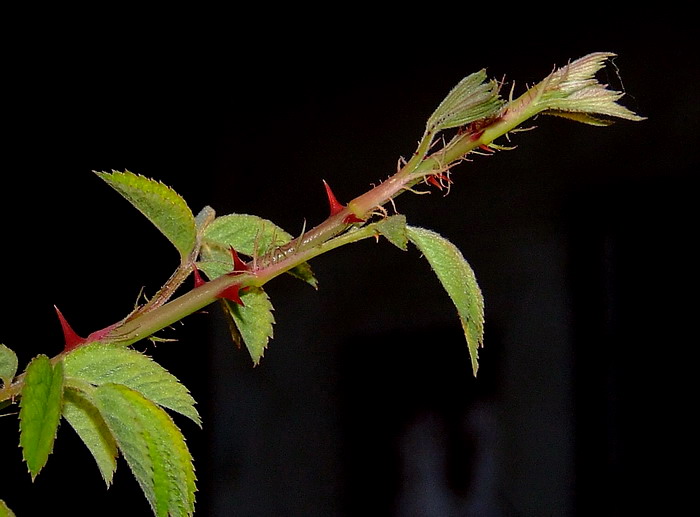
(70, 337)
(166, 209)
(458, 279)
(334, 205)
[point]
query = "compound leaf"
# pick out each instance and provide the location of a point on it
(40, 411)
(86, 420)
(99, 364)
(458, 279)
(153, 447)
(160, 204)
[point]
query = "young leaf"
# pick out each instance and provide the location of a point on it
(5, 511)
(160, 204)
(250, 235)
(86, 420)
(394, 229)
(254, 320)
(40, 411)
(572, 91)
(153, 446)
(99, 364)
(472, 99)
(8, 365)
(459, 281)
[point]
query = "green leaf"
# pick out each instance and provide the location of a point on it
(8, 365)
(100, 363)
(249, 235)
(160, 204)
(5, 511)
(394, 229)
(573, 92)
(86, 420)
(40, 411)
(254, 320)
(472, 99)
(153, 446)
(459, 281)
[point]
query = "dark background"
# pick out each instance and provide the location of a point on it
(364, 402)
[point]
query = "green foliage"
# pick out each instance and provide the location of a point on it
(40, 411)
(99, 364)
(115, 397)
(253, 320)
(394, 229)
(153, 447)
(8, 365)
(5, 511)
(573, 92)
(160, 204)
(472, 99)
(87, 421)
(459, 281)
(249, 235)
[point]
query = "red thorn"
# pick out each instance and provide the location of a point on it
(485, 147)
(238, 265)
(352, 218)
(475, 136)
(434, 182)
(232, 293)
(198, 280)
(72, 340)
(335, 206)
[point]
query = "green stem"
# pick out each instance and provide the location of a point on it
(323, 238)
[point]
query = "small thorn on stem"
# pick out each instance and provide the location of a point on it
(352, 218)
(198, 280)
(238, 265)
(232, 293)
(72, 340)
(334, 205)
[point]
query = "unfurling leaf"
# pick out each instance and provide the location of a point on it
(253, 320)
(247, 234)
(573, 92)
(99, 364)
(40, 411)
(459, 281)
(472, 99)
(153, 446)
(8, 365)
(86, 420)
(160, 204)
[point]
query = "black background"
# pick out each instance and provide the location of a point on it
(364, 402)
